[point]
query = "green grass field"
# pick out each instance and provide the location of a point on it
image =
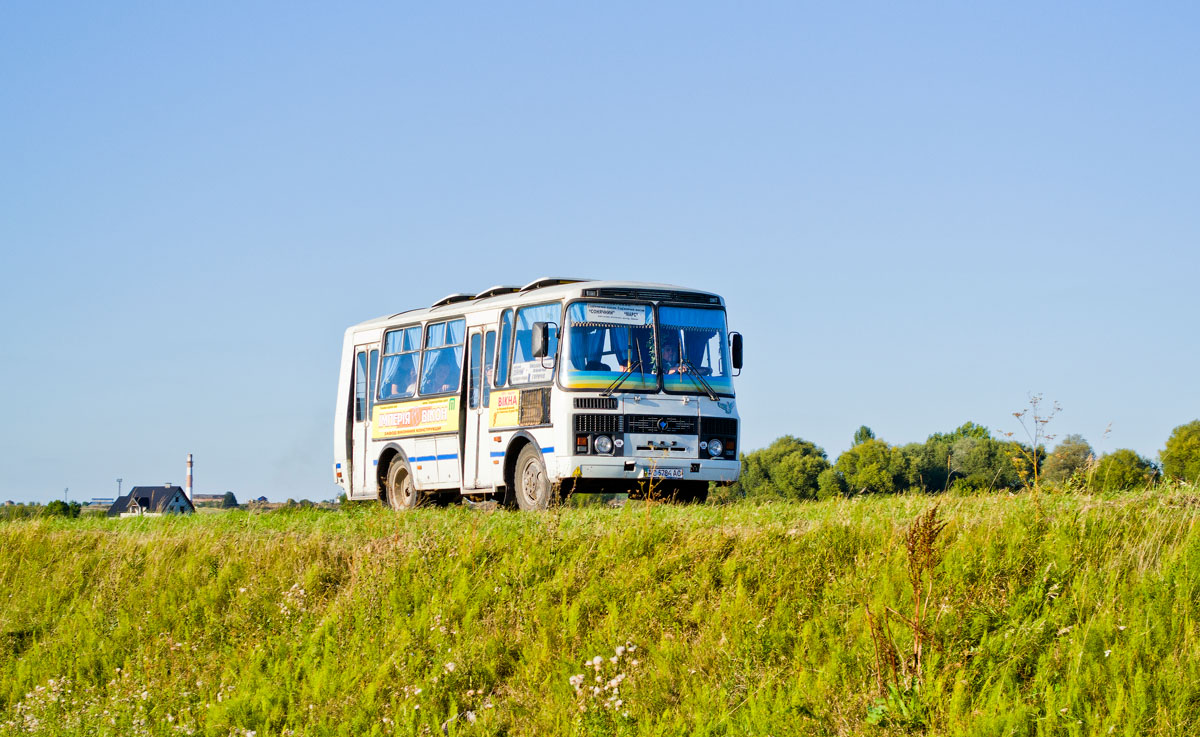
(1042, 615)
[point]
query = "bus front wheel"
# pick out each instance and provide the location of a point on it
(530, 479)
(401, 494)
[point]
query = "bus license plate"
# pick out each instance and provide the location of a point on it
(666, 473)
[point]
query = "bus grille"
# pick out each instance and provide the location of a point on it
(599, 424)
(659, 295)
(684, 425)
(595, 403)
(724, 426)
(533, 407)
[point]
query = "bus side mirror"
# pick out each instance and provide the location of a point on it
(735, 346)
(541, 339)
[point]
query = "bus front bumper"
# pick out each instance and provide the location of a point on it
(635, 469)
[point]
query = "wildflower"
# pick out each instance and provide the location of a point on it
(470, 715)
(596, 661)
(450, 667)
(1121, 627)
(1107, 653)
(620, 650)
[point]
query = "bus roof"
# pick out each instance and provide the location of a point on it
(546, 288)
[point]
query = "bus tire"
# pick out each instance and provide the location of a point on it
(401, 494)
(532, 485)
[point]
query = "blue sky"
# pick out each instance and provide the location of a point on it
(918, 213)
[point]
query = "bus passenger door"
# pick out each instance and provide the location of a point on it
(475, 410)
(361, 421)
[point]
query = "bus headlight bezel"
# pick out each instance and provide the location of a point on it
(603, 445)
(715, 447)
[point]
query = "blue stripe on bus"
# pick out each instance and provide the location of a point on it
(446, 457)
(500, 453)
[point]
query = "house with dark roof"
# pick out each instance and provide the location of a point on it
(152, 501)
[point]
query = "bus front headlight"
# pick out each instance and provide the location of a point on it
(715, 447)
(604, 444)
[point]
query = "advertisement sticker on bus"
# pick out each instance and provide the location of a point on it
(414, 418)
(616, 314)
(504, 409)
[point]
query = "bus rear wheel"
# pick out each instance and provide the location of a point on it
(530, 479)
(401, 494)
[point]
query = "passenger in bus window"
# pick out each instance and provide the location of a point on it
(403, 382)
(443, 378)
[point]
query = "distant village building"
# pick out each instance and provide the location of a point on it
(152, 501)
(261, 499)
(207, 498)
(100, 502)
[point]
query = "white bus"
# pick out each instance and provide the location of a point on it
(529, 393)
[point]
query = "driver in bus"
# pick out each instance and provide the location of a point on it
(670, 358)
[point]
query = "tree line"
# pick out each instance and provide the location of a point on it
(968, 459)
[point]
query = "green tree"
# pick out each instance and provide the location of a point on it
(1069, 457)
(830, 484)
(229, 501)
(1122, 469)
(788, 468)
(873, 467)
(1181, 457)
(59, 508)
(931, 460)
(987, 464)
(863, 434)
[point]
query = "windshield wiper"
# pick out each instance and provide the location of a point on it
(702, 383)
(621, 379)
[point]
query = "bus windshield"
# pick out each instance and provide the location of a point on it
(605, 340)
(694, 350)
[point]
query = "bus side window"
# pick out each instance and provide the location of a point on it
(441, 369)
(506, 325)
(489, 363)
(360, 386)
(526, 369)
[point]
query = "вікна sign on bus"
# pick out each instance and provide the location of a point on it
(526, 393)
